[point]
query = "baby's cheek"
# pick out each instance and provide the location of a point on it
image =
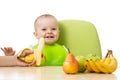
(42, 34)
(57, 37)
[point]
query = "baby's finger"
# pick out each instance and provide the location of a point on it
(26, 52)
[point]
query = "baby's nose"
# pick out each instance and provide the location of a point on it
(49, 31)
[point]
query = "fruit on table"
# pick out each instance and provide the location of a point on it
(38, 52)
(29, 58)
(81, 60)
(108, 64)
(70, 65)
(92, 57)
(37, 55)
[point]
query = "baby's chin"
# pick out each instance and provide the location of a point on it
(49, 42)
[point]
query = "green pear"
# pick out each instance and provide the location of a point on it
(81, 60)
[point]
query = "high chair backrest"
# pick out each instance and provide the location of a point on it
(80, 37)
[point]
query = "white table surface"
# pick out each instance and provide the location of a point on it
(51, 73)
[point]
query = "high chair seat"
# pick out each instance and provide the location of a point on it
(80, 37)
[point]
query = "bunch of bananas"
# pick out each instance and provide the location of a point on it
(108, 64)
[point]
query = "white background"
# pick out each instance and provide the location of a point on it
(17, 19)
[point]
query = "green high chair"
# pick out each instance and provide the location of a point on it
(80, 37)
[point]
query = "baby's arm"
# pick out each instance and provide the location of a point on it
(8, 51)
(8, 61)
(14, 61)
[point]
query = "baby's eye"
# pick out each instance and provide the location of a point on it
(43, 29)
(53, 28)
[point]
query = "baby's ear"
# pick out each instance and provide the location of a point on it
(35, 34)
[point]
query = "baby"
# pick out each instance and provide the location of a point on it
(46, 26)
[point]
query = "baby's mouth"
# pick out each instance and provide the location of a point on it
(49, 37)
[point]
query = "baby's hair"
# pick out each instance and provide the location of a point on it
(44, 15)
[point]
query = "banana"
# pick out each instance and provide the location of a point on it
(38, 52)
(21, 51)
(108, 68)
(100, 66)
(29, 58)
(107, 60)
(88, 68)
(104, 59)
(93, 66)
(37, 55)
(113, 64)
(109, 65)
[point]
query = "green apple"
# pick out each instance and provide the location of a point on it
(92, 57)
(81, 60)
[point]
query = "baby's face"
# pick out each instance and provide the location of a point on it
(47, 28)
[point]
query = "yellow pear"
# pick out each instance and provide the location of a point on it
(70, 65)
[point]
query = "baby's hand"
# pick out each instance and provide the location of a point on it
(22, 63)
(8, 51)
(26, 52)
(27, 57)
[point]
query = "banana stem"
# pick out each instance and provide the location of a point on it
(109, 53)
